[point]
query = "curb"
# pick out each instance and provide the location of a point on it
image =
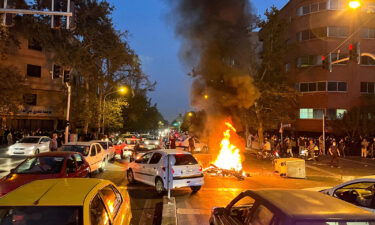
(169, 215)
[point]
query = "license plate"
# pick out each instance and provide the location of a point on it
(18, 152)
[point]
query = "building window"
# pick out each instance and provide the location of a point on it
(34, 71)
(287, 67)
(34, 45)
(29, 99)
(368, 33)
(305, 61)
(340, 113)
(368, 61)
(331, 86)
(367, 87)
(322, 86)
(311, 34)
(337, 4)
(311, 113)
(339, 56)
(311, 8)
(338, 32)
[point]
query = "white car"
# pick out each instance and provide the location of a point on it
(108, 148)
(152, 169)
(198, 146)
(359, 192)
(93, 152)
(30, 145)
(151, 143)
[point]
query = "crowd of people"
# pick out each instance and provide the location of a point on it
(333, 146)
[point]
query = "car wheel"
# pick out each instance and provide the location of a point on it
(195, 188)
(102, 165)
(159, 186)
(122, 155)
(130, 176)
(36, 152)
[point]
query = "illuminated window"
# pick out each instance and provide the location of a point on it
(340, 113)
(306, 113)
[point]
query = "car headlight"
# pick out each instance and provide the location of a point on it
(157, 143)
(146, 142)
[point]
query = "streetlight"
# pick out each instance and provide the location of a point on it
(205, 96)
(190, 114)
(121, 90)
(354, 4)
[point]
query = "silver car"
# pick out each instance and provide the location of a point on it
(30, 145)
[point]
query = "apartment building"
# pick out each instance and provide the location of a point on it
(325, 29)
(44, 107)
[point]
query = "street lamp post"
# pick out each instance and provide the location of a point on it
(68, 113)
(122, 90)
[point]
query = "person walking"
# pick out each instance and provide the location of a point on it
(53, 146)
(372, 149)
(364, 146)
(335, 154)
(172, 142)
(191, 144)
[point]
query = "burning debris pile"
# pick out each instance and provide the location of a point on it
(229, 161)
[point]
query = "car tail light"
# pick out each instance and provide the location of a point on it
(200, 168)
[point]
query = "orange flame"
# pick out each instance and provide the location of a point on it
(229, 157)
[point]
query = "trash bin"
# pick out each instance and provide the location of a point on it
(290, 167)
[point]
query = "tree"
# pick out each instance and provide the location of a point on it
(140, 115)
(277, 101)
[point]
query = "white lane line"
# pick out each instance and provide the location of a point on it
(147, 213)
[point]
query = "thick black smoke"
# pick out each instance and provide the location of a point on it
(217, 45)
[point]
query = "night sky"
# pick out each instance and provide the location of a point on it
(152, 37)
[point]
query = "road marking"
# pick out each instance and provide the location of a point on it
(147, 213)
(184, 211)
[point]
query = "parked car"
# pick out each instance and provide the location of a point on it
(93, 152)
(183, 144)
(30, 145)
(108, 148)
(73, 201)
(289, 207)
(46, 165)
(152, 169)
(359, 192)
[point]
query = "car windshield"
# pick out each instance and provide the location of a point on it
(83, 149)
(184, 159)
(29, 140)
(41, 215)
(40, 165)
(130, 142)
(336, 223)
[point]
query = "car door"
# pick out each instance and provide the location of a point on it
(101, 153)
(92, 158)
(140, 165)
(83, 169)
(358, 193)
(153, 167)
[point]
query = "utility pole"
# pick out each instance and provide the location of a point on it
(324, 132)
(68, 113)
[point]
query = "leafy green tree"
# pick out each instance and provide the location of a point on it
(277, 101)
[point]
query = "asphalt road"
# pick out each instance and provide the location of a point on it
(218, 191)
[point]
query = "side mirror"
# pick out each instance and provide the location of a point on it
(12, 170)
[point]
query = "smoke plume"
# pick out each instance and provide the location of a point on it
(217, 46)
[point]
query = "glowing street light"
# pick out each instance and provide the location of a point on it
(123, 90)
(354, 4)
(190, 114)
(205, 96)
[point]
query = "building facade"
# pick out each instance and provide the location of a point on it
(44, 107)
(321, 29)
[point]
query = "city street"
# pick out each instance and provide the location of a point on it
(218, 191)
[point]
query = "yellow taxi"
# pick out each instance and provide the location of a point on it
(71, 201)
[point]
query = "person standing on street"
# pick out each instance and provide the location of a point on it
(191, 144)
(172, 142)
(364, 146)
(342, 147)
(335, 154)
(289, 150)
(10, 138)
(311, 149)
(53, 146)
(372, 149)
